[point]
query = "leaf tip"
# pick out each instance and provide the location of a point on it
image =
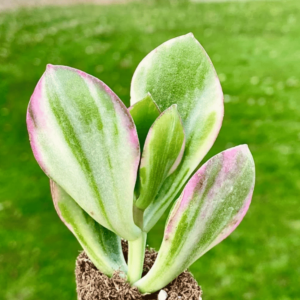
(49, 67)
(244, 148)
(171, 109)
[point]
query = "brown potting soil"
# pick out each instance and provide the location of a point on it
(94, 285)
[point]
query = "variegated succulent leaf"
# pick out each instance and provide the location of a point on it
(85, 140)
(211, 206)
(180, 72)
(161, 156)
(102, 246)
(144, 113)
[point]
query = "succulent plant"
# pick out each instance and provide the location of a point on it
(114, 171)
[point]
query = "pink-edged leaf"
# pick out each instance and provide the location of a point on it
(211, 206)
(180, 72)
(84, 139)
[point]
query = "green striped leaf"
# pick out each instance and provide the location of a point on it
(161, 155)
(144, 113)
(180, 72)
(211, 206)
(102, 246)
(84, 139)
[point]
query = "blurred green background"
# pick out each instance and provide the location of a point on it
(255, 47)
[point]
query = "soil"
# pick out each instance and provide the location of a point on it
(94, 285)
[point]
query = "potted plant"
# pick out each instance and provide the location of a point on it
(114, 171)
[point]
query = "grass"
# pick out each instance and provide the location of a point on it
(255, 49)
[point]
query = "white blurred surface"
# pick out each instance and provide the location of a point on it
(13, 4)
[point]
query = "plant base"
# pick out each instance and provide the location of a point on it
(94, 285)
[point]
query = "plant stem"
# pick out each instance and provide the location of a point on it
(136, 255)
(138, 216)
